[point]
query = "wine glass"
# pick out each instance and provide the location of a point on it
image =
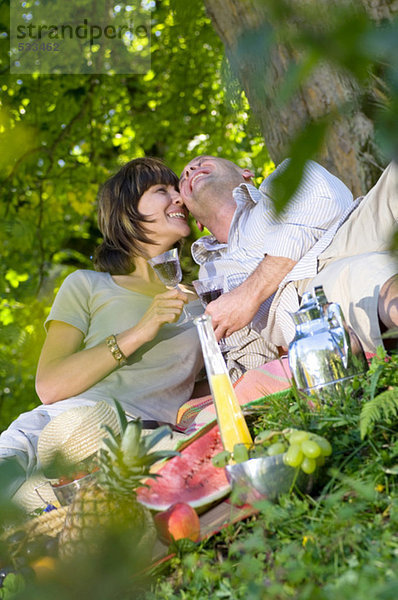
(167, 267)
(210, 289)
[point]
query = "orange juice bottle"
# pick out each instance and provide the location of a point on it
(232, 423)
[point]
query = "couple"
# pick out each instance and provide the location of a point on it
(324, 237)
(112, 332)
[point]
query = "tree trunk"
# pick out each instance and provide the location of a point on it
(350, 151)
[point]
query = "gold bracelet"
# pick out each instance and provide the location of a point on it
(115, 350)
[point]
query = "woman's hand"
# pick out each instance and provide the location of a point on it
(165, 308)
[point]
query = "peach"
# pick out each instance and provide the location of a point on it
(177, 522)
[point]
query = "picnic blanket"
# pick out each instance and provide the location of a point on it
(270, 378)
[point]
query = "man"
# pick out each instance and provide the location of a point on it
(280, 255)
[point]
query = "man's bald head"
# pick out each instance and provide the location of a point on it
(206, 186)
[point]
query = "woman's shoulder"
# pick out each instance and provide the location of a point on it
(86, 277)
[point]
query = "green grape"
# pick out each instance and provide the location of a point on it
(221, 459)
(241, 453)
(320, 460)
(298, 436)
(276, 448)
(294, 456)
(256, 451)
(326, 448)
(310, 449)
(308, 465)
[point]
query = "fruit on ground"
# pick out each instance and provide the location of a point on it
(178, 522)
(306, 450)
(191, 477)
(297, 437)
(294, 456)
(308, 465)
(326, 448)
(276, 448)
(311, 449)
(107, 508)
(240, 453)
(44, 567)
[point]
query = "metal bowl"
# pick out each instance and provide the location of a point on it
(266, 477)
(66, 492)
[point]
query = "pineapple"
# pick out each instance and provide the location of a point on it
(107, 510)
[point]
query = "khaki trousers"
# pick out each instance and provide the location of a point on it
(357, 263)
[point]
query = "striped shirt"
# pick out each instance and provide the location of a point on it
(301, 232)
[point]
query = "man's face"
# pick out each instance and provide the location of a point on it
(203, 179)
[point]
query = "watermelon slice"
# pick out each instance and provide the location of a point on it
(190, 477)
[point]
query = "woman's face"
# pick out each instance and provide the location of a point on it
(169, 217)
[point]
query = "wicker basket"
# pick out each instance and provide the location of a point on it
(49, 523)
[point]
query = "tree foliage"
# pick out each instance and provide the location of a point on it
(62, 136)
(331, 64)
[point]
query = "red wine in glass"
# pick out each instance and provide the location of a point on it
(210, 295)
(210, 289)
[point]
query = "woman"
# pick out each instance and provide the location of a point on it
(112, 333)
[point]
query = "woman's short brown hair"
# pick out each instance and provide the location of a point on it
(119, 219)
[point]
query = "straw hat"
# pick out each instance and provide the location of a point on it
(76, 434)
(29, 500)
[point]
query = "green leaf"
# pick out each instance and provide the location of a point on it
(13, 584)
(381, 408)
(374, 380)
(111, 444)
(131, 441)
(150, 440)
(150, 459)
(121, 416)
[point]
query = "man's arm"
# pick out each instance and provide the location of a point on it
(233, 310)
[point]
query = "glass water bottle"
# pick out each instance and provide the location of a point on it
(232, 423)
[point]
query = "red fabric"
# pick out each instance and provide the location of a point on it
(272, 377)
(256, 383)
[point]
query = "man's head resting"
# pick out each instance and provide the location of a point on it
(206, 186)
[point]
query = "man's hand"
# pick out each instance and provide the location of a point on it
(236, 309)
(231, 311)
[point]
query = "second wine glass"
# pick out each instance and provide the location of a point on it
(210, 289)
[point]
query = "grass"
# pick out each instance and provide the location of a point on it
(340, 542)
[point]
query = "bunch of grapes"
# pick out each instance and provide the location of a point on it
(299, 448)
(307, 451)
(240, 454)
